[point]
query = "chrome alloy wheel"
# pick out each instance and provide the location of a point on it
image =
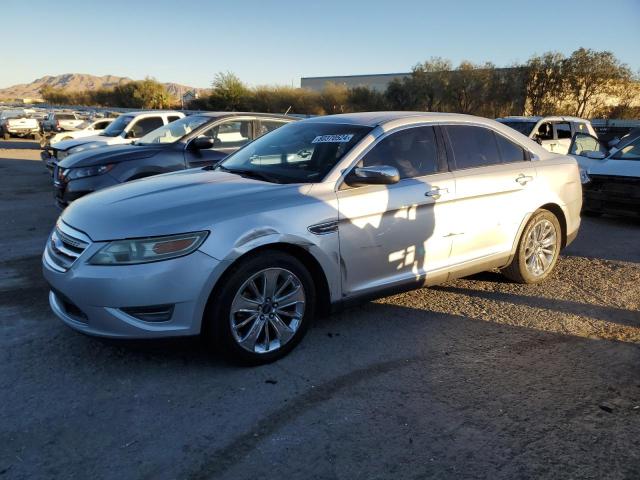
(540, 247)
(267, 310)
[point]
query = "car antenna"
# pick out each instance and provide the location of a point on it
(288, 110)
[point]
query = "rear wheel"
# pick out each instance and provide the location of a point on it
(263, 308)
(538, 249)
(6, 136)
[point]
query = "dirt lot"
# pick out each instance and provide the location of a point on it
(478, 378)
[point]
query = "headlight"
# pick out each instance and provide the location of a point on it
(144, 250)
(60, 154)
(82, 172)
(584, 176)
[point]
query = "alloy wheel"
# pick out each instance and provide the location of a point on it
(267, 310)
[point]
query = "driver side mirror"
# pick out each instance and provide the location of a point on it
(202, 143)
(538, 140)
(378, 175)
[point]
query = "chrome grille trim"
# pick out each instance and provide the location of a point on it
(65, 246)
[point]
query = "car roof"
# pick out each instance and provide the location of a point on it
(374, 119)
(244, 114)
(518, 118)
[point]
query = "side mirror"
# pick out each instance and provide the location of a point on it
(538, 140)
(378, 175)
(594, 155)
(202, 143)
(131, 134)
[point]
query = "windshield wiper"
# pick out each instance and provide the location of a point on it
(247, 173)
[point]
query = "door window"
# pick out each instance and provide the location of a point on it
(583, 143)
(144, 126)
(563, 130)
(413, 151)
(101, 125)
(581, 128)
(473, 146)
(509, 151)
(233, 134)
(172, 118)
(545, 131)
(266, 126)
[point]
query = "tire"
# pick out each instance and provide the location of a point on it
(6, 136)
(36, 137)
(538, 249)
(228, 307)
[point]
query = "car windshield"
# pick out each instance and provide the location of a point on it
(523, 127)
(300, 152)
(174, 131)
(631, 151)
(117, 126)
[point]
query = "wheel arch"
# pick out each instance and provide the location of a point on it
(301, 254)
(562, 219)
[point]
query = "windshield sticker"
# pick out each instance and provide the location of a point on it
(344, 138)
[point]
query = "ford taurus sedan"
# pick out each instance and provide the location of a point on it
(308, 218)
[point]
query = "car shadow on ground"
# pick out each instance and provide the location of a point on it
(19, 144)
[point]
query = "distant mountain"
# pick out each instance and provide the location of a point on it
(78, 82)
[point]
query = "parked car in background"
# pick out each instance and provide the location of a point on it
(318, 213)
(85, 129)
(61, 122)
(17, 124)
(125, 129)
(194, 141)
(610, 178)
(553, 133)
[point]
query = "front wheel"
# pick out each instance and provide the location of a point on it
(263, 308)
(538, 249)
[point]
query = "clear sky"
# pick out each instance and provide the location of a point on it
(277, 42)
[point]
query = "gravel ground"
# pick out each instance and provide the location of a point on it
(477, 378)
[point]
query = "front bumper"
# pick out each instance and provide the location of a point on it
(91, 298)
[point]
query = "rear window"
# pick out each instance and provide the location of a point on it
(65, 116)
(524, 128)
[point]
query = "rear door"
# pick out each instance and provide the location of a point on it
(227, 135)
(493, 178)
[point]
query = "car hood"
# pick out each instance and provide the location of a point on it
(187, 201)
(113, 154)
(76, 142)
(619, 168)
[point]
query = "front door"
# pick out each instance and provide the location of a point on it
(395, 234)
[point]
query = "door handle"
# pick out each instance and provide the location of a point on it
(523, 179)
(436, 192)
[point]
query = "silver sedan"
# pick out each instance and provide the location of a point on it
(309, 218)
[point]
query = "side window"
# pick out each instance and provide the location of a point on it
(583, 143)
(172, 118)
(413, 151)
(266, 126)
(101, 125)
(509, 151)
(629, 152)
(144, 126)
(563, 130)
(545, 131)
(473, 146)
(232, 134)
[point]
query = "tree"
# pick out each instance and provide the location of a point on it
(365, 99)
(333, 98)
(229, 93)
(592, 77)
(544, 82)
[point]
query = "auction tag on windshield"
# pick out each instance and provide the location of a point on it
(344, 138)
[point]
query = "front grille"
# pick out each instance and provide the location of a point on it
(613, 193)
(65, 246)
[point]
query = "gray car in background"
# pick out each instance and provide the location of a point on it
(312, 216)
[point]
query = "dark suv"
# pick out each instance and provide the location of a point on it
(194, 141)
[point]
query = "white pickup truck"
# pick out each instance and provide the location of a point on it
(86, 129)
(553, 133)
(61, 122)
(16, 123)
